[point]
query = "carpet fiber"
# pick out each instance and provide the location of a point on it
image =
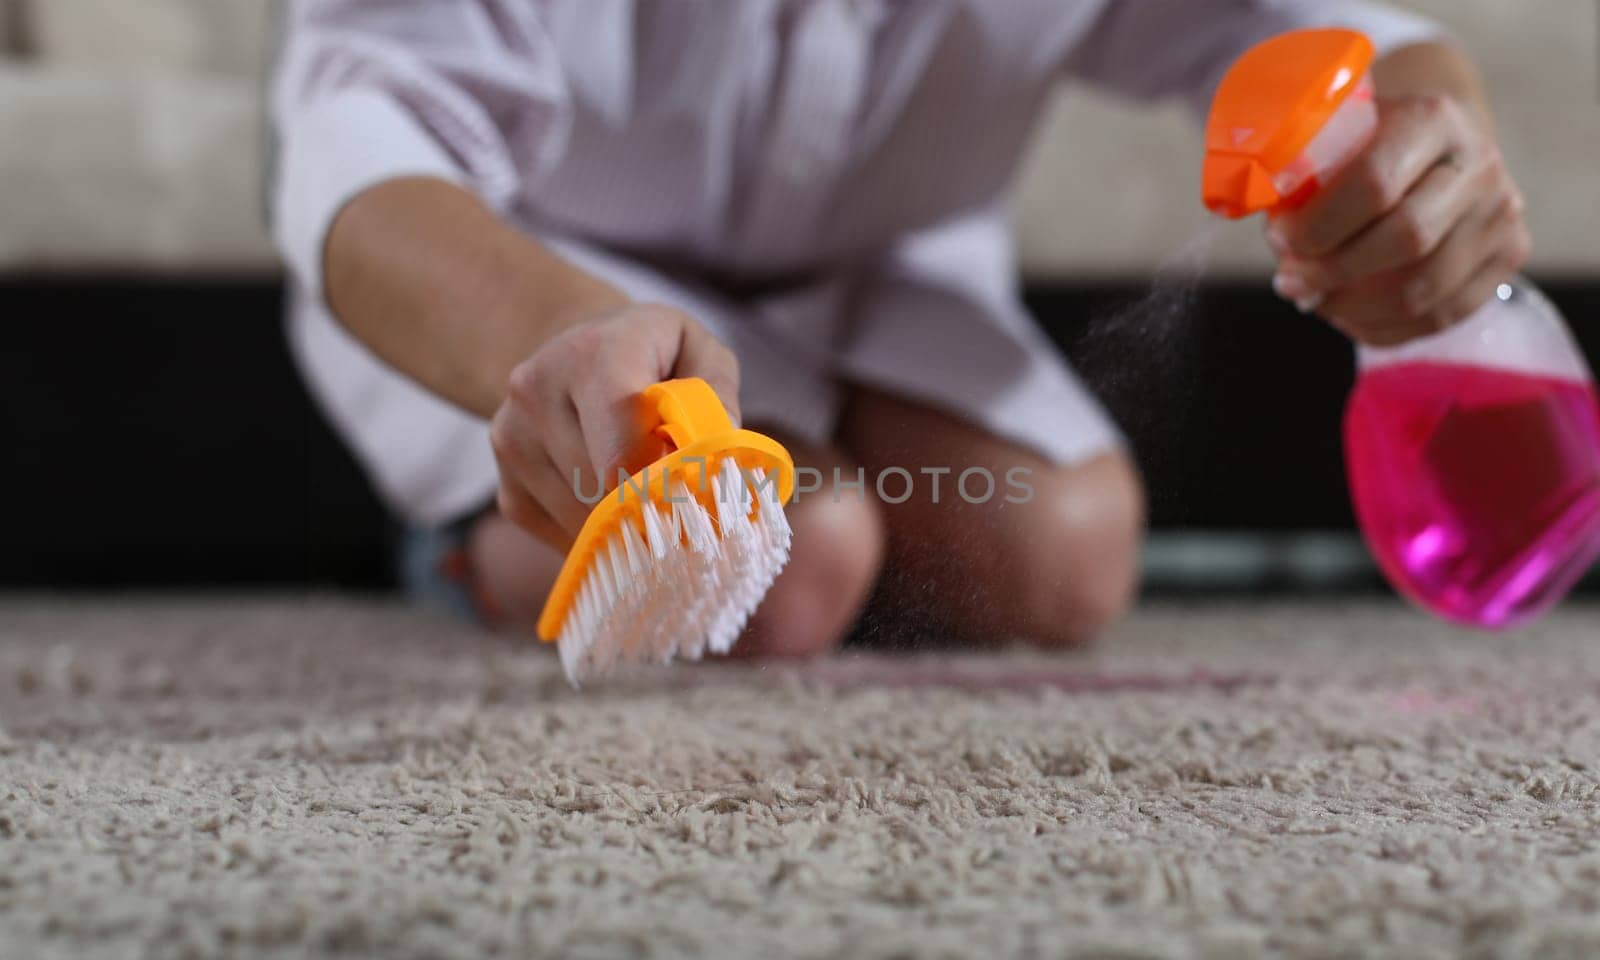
(322, 777)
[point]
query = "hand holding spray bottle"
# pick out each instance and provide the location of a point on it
(1473, 454)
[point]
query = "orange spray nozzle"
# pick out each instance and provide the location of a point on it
(1272, 103)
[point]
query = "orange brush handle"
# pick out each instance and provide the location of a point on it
(693, 422)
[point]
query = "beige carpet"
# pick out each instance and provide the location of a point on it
(291, 778)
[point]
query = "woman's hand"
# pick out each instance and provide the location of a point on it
(571, 410)
(1414, 234)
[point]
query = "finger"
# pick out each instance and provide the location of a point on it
(1408, 234)
(544, 404)
(562, 438)
(1407, 296)
(1386, 332)
(1404, 303)
(1483, 284)
(613, 422)
(1367, 311)
(1413, 136)
(518, 506)
(526, 467)
(704, 356)
(1452, 266)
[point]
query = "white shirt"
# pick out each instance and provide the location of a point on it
(752, 138)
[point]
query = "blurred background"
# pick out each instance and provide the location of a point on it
(155, 434)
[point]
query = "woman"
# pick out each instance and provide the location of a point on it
(506, 217)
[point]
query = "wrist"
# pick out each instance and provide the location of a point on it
(544, 298)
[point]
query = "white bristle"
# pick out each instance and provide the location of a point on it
(684, 584)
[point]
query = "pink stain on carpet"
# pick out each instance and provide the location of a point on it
(1419, 702)
(979, 675)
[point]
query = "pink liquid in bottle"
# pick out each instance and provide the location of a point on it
(1474, 452)
(1478, 488)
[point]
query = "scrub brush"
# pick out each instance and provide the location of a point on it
(674, 560)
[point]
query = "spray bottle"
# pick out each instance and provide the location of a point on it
(1473, 454)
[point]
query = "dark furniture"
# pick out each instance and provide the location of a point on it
(155, 433)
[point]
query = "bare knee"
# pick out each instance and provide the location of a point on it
(1081, 546)
(837, 553)
(511, 572)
